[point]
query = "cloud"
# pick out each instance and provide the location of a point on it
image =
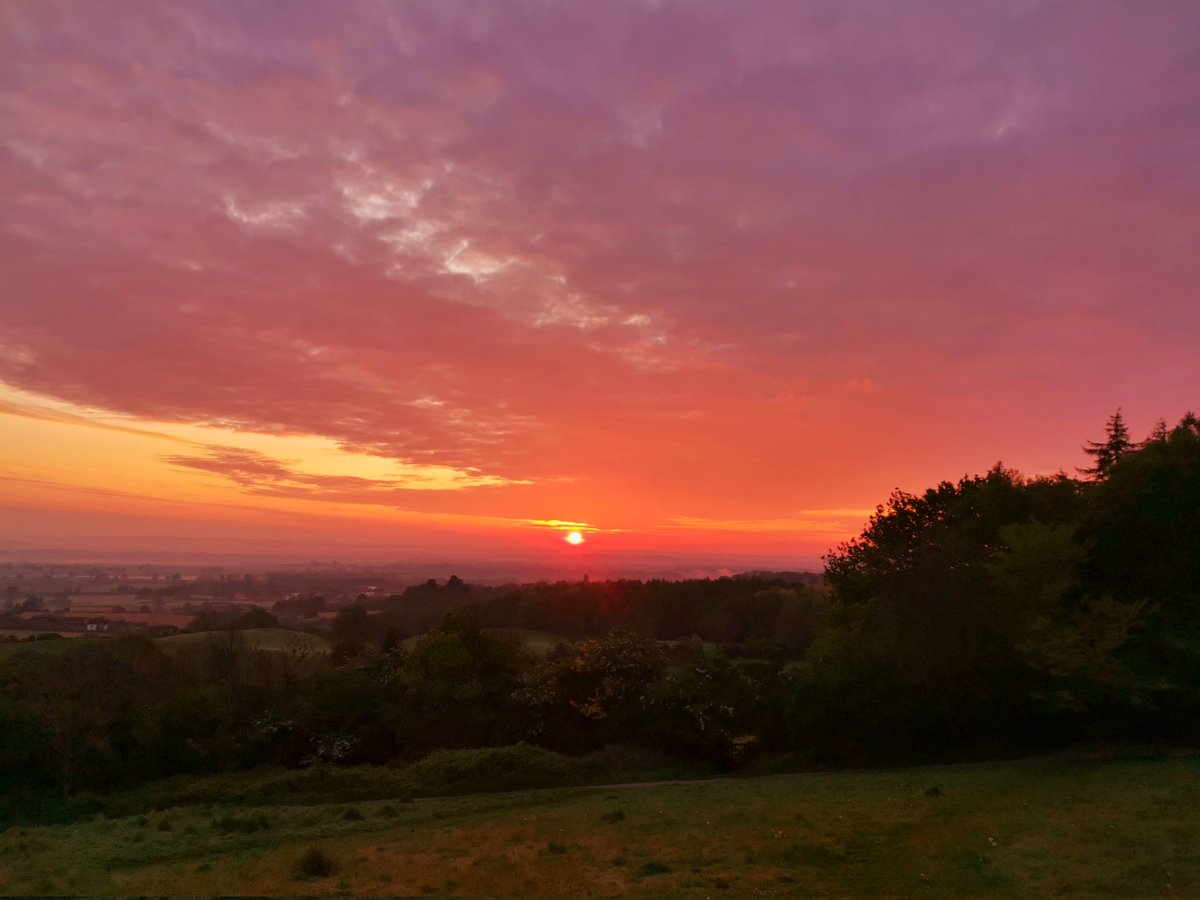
(673, 258)
(261, 474)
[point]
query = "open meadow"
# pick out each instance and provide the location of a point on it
(1031, 828)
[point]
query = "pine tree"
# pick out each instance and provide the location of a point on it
(1158, 435)
(1107, 452)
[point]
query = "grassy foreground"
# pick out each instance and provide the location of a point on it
(1027, 829)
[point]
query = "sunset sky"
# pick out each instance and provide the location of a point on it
(694, 278)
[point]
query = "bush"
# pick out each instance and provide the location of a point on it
(314, 863)
(654, 867)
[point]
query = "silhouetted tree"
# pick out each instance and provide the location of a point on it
(1106, 453)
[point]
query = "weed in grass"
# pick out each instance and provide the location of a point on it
(389, 812)
(617, 815)
(451, 885)
(204, 867)
(164, 825)
(353, 815)
(619, 861)
(141, 821)
(722, 885)
(428, 889)
(314, 863)
(654, 867)
(935, 791)
(556, 847)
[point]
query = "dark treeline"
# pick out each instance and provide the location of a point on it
(773, 616)
(993, 615)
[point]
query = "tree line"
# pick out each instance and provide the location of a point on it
(997, 614)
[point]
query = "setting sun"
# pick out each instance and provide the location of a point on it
(574, 538)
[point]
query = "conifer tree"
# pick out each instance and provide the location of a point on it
(1108, 451)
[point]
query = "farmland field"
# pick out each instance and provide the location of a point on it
(1013, 829)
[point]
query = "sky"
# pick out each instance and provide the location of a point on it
(697, 278)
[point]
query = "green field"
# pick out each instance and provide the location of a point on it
(1015, 829)
(54, 645)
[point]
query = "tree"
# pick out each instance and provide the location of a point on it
(455, 686)
(351, 629)
(256, 618)
(1144, 530)
(1106, 453)
(596, 692)
(920, 647)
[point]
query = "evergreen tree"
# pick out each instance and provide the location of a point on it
(1159, 434)
(1108, 451)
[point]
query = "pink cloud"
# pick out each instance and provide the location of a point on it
(642, 254)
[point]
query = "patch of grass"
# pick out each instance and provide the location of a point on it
(514, 768)
(556, 848)
(241, 824)
(616, 815)
(352, 815)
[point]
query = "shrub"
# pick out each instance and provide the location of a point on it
(314, 863)
(654, 867)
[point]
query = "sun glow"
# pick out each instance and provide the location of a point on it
(574, 537)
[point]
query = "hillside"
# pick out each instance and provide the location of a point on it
(1014, 829)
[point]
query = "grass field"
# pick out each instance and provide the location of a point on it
(46, 646)
(1015, 829)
